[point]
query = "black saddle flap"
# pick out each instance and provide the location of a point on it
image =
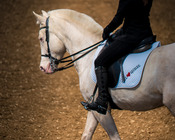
(113, 74)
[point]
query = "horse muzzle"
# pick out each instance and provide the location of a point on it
(48, 69)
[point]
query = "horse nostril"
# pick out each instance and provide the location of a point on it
(41, 68)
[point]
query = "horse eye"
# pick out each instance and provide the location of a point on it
(41, 39)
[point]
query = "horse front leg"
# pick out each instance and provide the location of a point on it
(91, 124)
(108, 124)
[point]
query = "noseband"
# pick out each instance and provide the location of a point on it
(54, 61)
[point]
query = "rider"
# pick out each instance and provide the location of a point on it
(136, 27)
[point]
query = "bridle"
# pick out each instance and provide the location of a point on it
(54, 61)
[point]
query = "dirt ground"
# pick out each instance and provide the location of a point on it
(36, 106)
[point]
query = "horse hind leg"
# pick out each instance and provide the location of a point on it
(169, 96)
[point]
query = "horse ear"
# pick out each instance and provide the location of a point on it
(45, 14)
(39, 19)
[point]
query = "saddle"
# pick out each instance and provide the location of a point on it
(115, 69)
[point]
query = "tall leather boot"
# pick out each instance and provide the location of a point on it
(101, 103)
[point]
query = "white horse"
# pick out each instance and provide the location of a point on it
(72, 31)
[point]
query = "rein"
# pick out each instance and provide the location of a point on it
(54, 60)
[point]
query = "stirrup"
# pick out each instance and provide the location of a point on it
(85, 104)
(100, 109)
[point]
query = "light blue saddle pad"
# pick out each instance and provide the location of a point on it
(133, 66)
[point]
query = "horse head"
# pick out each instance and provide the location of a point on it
(64, 30)
(52, 47)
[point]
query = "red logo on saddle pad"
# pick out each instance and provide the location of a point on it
(129, 74)
(132, 71)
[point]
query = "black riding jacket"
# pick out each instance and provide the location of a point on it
(135, 16)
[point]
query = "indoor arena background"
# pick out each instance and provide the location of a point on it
(36, 106)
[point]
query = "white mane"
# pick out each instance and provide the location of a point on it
(84, 21)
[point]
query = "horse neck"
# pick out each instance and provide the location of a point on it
(85, 62)
(75, 39)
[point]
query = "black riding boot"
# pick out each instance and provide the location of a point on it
(101, 103)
